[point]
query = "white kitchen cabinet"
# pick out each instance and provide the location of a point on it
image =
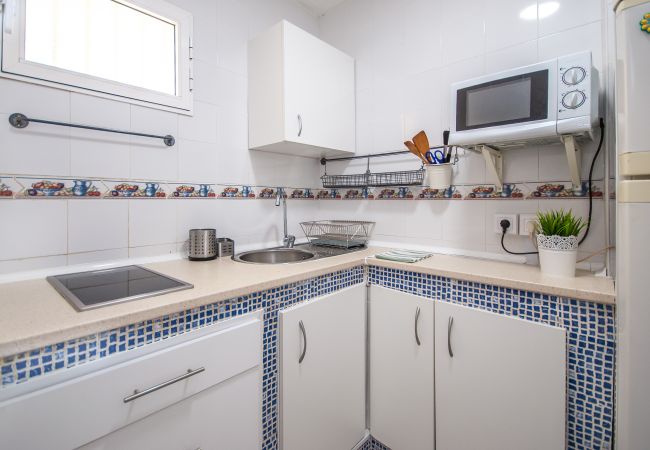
(84, 407)
(500, 381)
(301, 94)
(322, 372)
(401, 369)
(220, 417)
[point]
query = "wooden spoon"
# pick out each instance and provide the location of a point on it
(413, 149)
(422, 143)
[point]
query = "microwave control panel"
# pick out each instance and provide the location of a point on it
(575, 86)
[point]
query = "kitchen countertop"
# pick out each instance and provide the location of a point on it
(33, 314)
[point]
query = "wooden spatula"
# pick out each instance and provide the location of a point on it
(422, 143)
(413, 149)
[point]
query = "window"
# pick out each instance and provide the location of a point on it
(139, 50)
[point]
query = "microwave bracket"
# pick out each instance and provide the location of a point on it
(573, 154)
(494, 164)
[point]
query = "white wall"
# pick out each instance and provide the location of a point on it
(211, 147)
(407, 54)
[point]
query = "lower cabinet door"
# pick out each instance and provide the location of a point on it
(322, 372)
(401, 369)
(224, 416)
(500, 382)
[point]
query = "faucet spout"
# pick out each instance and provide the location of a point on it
(288, 240)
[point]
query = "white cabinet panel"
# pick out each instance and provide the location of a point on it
(225, 416)
(504, 387)
(322, 398)
(74, 407)
(401, 369)
(301, 94)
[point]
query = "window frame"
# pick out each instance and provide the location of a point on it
(13, 64)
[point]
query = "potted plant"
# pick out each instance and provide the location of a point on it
(557, 242)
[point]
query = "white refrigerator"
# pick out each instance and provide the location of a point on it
(633, 224)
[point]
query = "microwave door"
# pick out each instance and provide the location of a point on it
(520, 106)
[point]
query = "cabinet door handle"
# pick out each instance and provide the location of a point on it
(304, 341)
(136, 394)
(449, 325)
(299, 125)
(417, 318)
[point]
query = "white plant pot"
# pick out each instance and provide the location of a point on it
(438, 176)
(558, 255)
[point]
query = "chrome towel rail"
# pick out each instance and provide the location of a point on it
(18, 120)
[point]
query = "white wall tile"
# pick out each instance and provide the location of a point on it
(151, 158)
(515, 56)
(23, 265)
(98, 256)
(32, 100)
(199, 161)
(571, 13)
(153, 250)
(504, 27)
(586, 37)
(33, 228)
(196, 214)
(151, 222)
(200, 127)
(97, 225)
(37, 149)
(463, 30)
(97, 153)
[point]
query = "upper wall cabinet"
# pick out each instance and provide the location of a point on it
(300, 94)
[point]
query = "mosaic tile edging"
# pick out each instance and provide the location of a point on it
(590, 334)
(25, 366)
(38, 187)
(591, 342)
(373, 444)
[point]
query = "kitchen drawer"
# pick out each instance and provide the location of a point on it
(81, 409)
(224, 416)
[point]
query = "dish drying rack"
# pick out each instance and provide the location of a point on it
(338, 233)
(375, 179)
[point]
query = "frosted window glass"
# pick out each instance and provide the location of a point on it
(104, 39)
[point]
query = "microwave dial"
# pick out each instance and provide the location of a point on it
(574, 75)
(573, 99)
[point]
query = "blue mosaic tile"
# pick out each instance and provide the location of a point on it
(23, 367)
(591, 342)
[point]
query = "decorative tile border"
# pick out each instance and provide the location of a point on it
(591, 342)
(23, 367)
(373, 444)
(78, 188)
(59, 187)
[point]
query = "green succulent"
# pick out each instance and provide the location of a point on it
(559, 223)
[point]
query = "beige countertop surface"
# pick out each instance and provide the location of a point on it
(33, 314)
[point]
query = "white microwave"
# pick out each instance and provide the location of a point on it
(531, 104)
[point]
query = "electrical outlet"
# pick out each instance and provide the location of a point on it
(514, 223)
(527, 223)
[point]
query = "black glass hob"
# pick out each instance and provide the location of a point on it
(88, 290)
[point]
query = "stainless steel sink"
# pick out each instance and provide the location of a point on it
(275, 256)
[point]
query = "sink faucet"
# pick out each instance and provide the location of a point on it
(288, 239)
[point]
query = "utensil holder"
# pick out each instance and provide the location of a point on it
(203, 244)
(438, 176)
(225, 247)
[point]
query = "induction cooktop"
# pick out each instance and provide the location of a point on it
(89, 290)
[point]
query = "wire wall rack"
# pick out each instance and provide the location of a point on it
(373, 179)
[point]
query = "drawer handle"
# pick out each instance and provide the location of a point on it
(299, 125)
(304, 341)
(136, 394)
(449, 325)
(417, 318)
